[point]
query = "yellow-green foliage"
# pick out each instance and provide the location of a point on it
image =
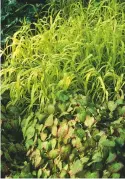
(84, 53)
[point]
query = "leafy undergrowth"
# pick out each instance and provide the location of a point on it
(71, 138)
(76, 138)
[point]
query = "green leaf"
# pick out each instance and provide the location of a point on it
(76, 167)
(84, 100)
(39, 173)
(41, 116)
(62, 96)
(63, 173)
(120, 141)
(97, 157)
(51, 109)
(119, 101)
(7, 156)
(118, 121)
(123, 110)
(112, 106)
(81, 116)
(53, 143)
(111, 157)
(115, 175)
(98, 166)
(92, 175)
(37, 161)
(30, 132)
(43, 136)
(54, 130)
(91, 110)
(65, 150)
(108, 143)
(89, 121)
(106, 174)
(115, 167)
(49, 121)
(80, 133)
(84, 159)
(63, 129)
(53, 153)
(29, 143)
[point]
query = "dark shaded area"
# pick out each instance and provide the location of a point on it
(13, 151)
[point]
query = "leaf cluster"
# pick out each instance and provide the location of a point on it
(76, 138)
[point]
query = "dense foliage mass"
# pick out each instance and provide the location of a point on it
(63, 85)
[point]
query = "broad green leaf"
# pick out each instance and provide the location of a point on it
(123, 110)
(84, 100)
(39, 173)
(35, 153)
(120, 141)
(76, 167)
(84, 159)
(115, 167)
(54, 130)
(51, 109)
(45, 145)
(25, 122)
(97, 156)
(80, 133)
(43, 136)
(92, 175)
(30, 132)
(106, 174)
(40, 116)
(29, 143)
(89, 121)
(111, 157)
(63, 130)
(65, 150)
(63, 173)
(119, 101)
(53, 143)
(112, 106)
(37, 161)
(118, 121)
(81, 116)
(115, 175)
(49, 121)
(53, 153)
(66, 167)
(108, 143)
(70, 132)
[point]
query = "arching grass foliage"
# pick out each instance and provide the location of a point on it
(84, 53)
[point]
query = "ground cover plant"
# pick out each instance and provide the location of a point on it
(67, 77)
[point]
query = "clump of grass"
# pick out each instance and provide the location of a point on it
(84, 53)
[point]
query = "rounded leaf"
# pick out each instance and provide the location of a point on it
(49, 121)
(112, 106)
(89, 121)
